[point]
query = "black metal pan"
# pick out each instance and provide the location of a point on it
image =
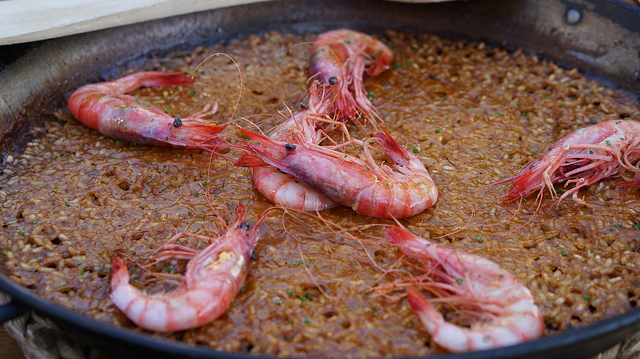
(602, 37)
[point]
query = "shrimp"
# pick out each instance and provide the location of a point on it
(281, 188)
(106, 108)
(364, 186)
(583, 157)
(507, 314)
(338, 60)
(213, 278)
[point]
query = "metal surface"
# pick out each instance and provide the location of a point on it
(599, 36)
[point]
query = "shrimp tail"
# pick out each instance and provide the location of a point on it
(393, 149)
(445, 334)
(120, 272)
(429, 316)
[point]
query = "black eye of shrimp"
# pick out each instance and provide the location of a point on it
(245, 226)
(304, 105)
(333, 80)
(290, 147)
(177, 122)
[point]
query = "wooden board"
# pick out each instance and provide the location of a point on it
(25, 21)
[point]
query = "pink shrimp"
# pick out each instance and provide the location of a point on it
(213, 278)
(282, 188)
(583, 157)
(338, 60)
(505, 309)
(106, 108)
(364, 186)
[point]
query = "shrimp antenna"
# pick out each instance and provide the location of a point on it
(299, 44)
(235, 108)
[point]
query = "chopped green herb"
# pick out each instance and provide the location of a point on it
(143, 104)
(21, 232)
(437, 130)
(586, 297)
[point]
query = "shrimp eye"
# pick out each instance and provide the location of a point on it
(254, 256)
(177, 122)
(304, 105)
(245, 226)
(333, 80)
(290, 147)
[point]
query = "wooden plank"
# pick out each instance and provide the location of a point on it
(25, 21)
(10, 349)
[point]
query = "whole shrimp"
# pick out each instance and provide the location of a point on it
(338, 60)
(107, 108)
(583, 157)
(367, 188)
(213, 278)
(505, 309)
